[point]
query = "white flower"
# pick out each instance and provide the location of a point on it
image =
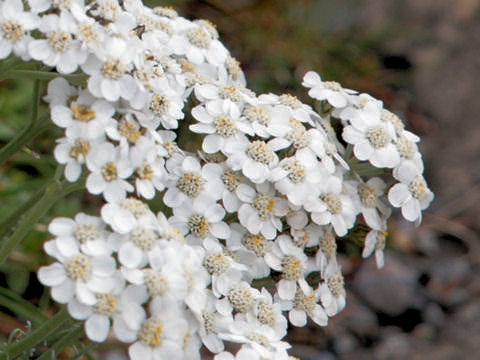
(291, 261)
(250, 250)
(268, 312)
(73, 151)
(88, 231)
(15, 25)
(122, 216)
(240, 298)
(332, 206)
(256, 159)
(305, 303)
(76, 274)
(134, 247)
(326, 90)
(297, 177)
(121, 305)
(262, 210)
(261, 338)
(192, 181)
(224, 270)
(412, 193)
(160, 337)
(59, 92)
(197, 43)
(332, 291)
(109, 76)
(109, 171)
(164, 106)
(200, 219)
(60, 49)
(373, 140)
(221, 123)
(366, 198)
(375, 241)
(86, 115)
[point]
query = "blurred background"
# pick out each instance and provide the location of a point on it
(422, 58)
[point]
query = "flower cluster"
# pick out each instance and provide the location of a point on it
(262, 200)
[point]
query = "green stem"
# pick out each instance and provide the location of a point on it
(28, 133)
(7, 65)
(45, 75)
(37, 336)
(54, 191)
(21, 307)
(65, 341)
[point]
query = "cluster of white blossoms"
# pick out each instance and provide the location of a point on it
(263, 200)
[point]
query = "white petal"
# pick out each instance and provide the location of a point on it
(61, 226)
(97, 327)
(130, 255)
(78, 310)
(398, 194)
(220, 230)
(287, 289)
(297, 318)
(123, 332)
(411, 210)
(138, 351)
(64, 292)
(52, 275)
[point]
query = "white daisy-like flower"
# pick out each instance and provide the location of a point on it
(250, 250)
(411, 193)
(76, 274)
(373, 140)
(366, 197)
(326, 90)
(230, 181)
(109, 76)
(262, 338)
(327, 251)
(224, 270)
(259, 115)
(134, 247)
(109, 171)
(332, 291)
(86, 115)
(59, 92)
(211, 323)
(375, 242)
(122, 306)
(88, 231)
(60, 48)
(222, 125)
(164, 107)
(191, 182)
(297, 177)
(240, 298)
(332, 206)
(197, 43)
(163, 280)
(15, 25)
(256, 159)
(291, 261)
(268, 312)
(360, 106)
(160, 337)
(122, 216)
(262, 210)
(307, 236)
(200, 219)
(305, 304)
(72, 151)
